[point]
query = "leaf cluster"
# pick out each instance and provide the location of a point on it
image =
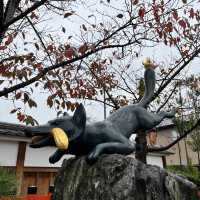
(8, 182)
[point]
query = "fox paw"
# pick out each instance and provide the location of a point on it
(92, 158)
(52, 160)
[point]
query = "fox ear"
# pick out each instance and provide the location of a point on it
(80, 116)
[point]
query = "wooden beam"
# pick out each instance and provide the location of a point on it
(41, 169)
(20, 165)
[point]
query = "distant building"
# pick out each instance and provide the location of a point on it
(31, 165)
(165, 133)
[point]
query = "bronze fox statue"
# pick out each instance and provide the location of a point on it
(105, 137)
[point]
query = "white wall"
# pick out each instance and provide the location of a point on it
(40, 157)
(152, 160)
(155, 160)
(8, 153)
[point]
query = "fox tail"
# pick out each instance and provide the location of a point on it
(149, 79)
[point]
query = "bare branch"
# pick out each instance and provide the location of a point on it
(185, 63)
(172, 92)
(6, 91)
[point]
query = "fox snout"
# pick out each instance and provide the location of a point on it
(47, 136)
(38, 131)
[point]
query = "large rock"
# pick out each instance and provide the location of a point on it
(116, 177)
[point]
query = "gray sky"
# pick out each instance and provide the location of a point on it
(94, 110)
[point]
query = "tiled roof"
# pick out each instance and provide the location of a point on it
(166, 123)
(9, 129)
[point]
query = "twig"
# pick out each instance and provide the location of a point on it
(172, 92)
(41, 74)
(176, 73)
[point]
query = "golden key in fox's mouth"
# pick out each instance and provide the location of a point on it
(60, 138)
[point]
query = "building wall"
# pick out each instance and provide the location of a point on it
(152, 159)
(175, 159)
(40, 157)
(36, 171)
(155, 160)
(8, 153)
(167, 136)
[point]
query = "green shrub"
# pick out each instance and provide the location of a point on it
(189, 172)
(8, 182)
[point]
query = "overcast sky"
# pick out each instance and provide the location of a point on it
(94, 110)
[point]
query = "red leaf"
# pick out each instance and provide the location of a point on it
(73, 107)
(141, 13)
(84, 27)
(9, 40)
(26, 97)
(63, 105)
(49, 102)
(13, 111)
(39, 66)
(175, 15)
(68, 104)
(69, 53)
(3, 69)
(182, 23)
(33, 15)
(169, 27)
(192, 13)
(37, 46)
(2, 47)
(82, 49)
(120, 16)
(63, 29)
(67, 14)
(32, 103)
(134, 2)
(20, 117)
(50, 48)
(18, 95)
(81, 82)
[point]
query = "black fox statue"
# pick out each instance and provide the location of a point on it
(105, 137)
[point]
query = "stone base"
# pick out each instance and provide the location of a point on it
(118, 177)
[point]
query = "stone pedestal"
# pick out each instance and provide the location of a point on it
(117, 177)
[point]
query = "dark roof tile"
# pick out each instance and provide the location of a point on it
(9, 129)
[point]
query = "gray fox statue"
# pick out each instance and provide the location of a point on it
(105, 137)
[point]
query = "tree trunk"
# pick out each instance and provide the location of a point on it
(198, 160)
(179, 153)
(141, 141)
(186, 152)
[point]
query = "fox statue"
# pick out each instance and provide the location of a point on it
(71, 134)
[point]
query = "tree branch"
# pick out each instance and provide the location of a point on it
(172, 92)
(11, 7)
(176, 73)
(1, 14)
(156, 149)
(26, 12)
(41, 74)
